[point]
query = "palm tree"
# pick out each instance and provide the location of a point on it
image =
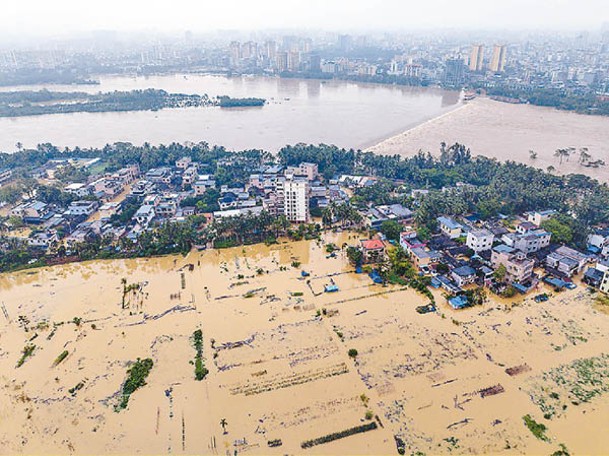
(561, 153)
(584, 156)
(223, 423)
(532, 154)
(124, 284)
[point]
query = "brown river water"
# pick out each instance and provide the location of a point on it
(335, 112)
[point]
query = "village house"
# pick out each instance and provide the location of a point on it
(526, 227)
(567, 261)
(538, 217)
(463, 275)
(142, 188)
(83, 207)
(184, 163)
(529, 241)
(308, 170)
(190, 175)
(32, 212)
(42, 239)
(162, 175)
(604, 286)
(106, 187)
(144, 215)
(77, 189)
(203, 183)
(423, 258)
(519, 268)
(373, 250)
(449, 227)
(5, 175)
(125, 175)
(256, 210)
(107, 210)
(598, 243)
(396, 212)
(593, 277)
(480, 240)
(82, 233)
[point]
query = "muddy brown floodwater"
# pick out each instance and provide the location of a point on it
(508, 132)
(277, 369)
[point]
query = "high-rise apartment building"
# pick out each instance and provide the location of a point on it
(235, 52)
(499, 57)
(281, 61)
(454, 72)
(293, 61)
(476, 58)
(295, 198)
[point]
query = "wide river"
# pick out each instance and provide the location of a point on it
(337, 112)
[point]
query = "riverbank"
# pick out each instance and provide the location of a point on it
(276, 347)
(508, 132)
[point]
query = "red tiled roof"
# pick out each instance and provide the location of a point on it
(372, 244)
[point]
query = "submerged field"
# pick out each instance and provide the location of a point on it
(279, 373)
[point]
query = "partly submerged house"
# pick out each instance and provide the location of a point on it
(373, 250)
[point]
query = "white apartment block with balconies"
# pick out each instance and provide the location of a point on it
(295, 199)
(480, 240)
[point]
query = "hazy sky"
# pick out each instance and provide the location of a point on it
(55, 16)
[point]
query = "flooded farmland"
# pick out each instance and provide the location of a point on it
(276, 347)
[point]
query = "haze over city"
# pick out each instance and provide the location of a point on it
(32, 17)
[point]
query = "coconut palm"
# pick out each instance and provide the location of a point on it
(584, 156)
(223, 423)
(561, 153)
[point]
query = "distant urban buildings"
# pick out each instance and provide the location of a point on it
(499, 58)
(476, 59)
(454, 72)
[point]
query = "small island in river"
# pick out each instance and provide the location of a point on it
(34, 103)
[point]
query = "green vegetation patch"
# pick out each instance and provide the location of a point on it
(537, 429)
(137, 374)
(27, 351)
(338, 435)
(571, 384)
(63, 355)
(200, 369)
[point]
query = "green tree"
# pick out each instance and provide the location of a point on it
(561, 232)
(391, 229)
(500, 273)
(355, 255)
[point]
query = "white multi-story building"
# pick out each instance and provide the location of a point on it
(518, 267)
(605, 283)
(80, 190)
(538, 217)
(203, 183)
(184, 163)
(533, 241)
(295, 198)
(310, 170)
(480, 240)
(82, 208)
